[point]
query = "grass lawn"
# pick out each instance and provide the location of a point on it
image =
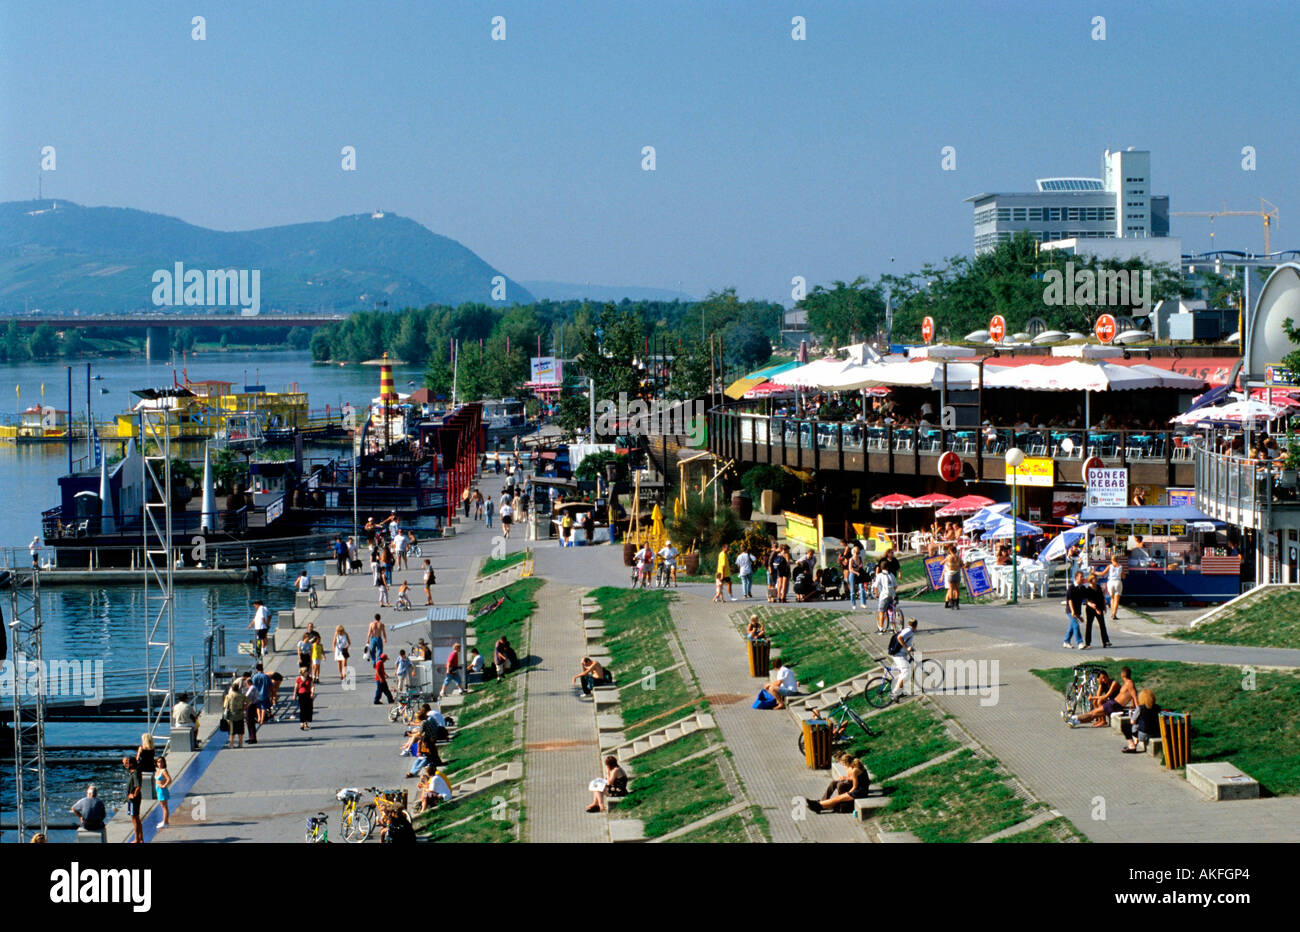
(812, 640)
(1246, 718)
(485, 813)
(475, 743)
(639, 634)
(911, 570)
(734, 829)
(909, 734)
(676, 794)
(496, 564)
(961, 800)
(1273, 621)
(760, 579)
(1053, 831)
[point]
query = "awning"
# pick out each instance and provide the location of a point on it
(1143, 513)
(736, 390)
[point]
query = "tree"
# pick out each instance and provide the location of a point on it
(73, 342)
(844, 312)
(43, 342)
(744, 346)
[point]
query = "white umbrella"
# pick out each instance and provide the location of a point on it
(1050, 336)
(814, 374)
(921, 373)
(1236, 413)
(1064, 541)
(1074, 376)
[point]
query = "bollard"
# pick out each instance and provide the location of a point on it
(759, 656)
(817, 743)
(1175, 738)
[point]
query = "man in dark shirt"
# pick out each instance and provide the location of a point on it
(1095, 603)
(262, 683)
(1075, 594)
(90, 810)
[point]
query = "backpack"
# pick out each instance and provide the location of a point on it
(894, 648)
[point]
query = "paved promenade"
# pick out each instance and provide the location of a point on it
(264, 792)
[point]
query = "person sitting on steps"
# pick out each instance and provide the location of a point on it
(854, 787)
(614, 783)
(593, 674)
(1144, 726)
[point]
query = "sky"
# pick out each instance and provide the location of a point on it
(774, 157)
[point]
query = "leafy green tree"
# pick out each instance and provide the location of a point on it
(73, 344)
(43, 342)
(846, 311)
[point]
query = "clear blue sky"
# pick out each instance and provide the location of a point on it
(775, 157)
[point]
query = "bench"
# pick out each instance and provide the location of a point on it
(875, 800)
(1222, 781)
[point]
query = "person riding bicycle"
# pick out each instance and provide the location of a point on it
(303, 583)
(900, 652)
(885, 588)
(669, 555)
(404, 596)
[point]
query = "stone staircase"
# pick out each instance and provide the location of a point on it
(627, 749)
(799, 706)
(488, 778)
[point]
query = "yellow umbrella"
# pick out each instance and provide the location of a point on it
(657, 534)
(678, 508)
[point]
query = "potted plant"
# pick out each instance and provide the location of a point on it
(765, 483)
(1290, 462)
(703, 529)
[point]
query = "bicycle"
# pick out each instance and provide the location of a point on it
(405, 707)
(356, 822)
(880, 688)
(497, 603)
(1080, 689)
(664, 575)
(313, 600)
(894, 618)
(318, 829)
(840, 726)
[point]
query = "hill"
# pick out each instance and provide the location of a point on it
(62, 257)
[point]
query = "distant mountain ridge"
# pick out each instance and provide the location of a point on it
(568, 291)
(61, 257)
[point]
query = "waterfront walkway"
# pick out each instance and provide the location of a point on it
(265, 792)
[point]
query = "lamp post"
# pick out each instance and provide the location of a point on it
(1015, 456)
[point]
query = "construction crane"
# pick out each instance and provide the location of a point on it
(1266, 210)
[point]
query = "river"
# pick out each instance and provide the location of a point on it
(108, 623)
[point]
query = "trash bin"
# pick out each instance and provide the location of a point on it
(817, 743)
(1175, 738)
(759, 656)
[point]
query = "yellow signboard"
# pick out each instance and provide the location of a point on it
(805, 530)
(1035, 470)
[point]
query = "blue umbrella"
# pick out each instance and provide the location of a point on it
(1013, 527)
(986, 517)
(1064, 541)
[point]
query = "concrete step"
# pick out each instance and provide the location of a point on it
(623, 831)
(609, 721)
(705, 720)
(1222, 781)
(896, 838)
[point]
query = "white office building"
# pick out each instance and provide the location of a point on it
(1118, 205)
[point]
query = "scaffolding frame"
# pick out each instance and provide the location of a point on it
(158, 565)
(27, 660)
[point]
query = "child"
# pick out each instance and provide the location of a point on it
(717, 587)
(403, 600)
(382, 583)
(317, 655)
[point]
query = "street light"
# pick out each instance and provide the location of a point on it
(1015, 456)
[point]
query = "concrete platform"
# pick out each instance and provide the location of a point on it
(609, 721)
(864, 809)
(899, 838)
(1222, 782)
(626, 830)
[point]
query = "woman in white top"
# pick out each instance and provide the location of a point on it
(1114, 585)
(341, 645)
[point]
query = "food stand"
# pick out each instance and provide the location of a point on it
(1190, 561)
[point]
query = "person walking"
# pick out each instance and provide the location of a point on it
(382, 582)
(857, 573)
(317, 656)
(403, 671)
(1095, 601)
(465, 497)
(507, 518)
(745, 569)
(376, 634)
(304, 690)
(342, 643)
(952, 567)
(452, 673)
(1075, 593)
(1114, 586)
(488, 508)
(232, 710)
(261, 684)
(340, 557)
(261, 623)
(429, 580)
(381, 681)
(162, 781)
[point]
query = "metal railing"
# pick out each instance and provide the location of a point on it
(1239, 490)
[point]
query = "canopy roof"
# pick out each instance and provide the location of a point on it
(1109, 515)
(815, 374)
(1235, 413)
(1077, 375)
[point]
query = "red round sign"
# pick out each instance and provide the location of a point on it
(1091, 463)
(997, 328)
(1105, 328)
(950, 467)
(927, 329)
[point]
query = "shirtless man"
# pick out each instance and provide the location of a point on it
(1113, 697)
(376, 634)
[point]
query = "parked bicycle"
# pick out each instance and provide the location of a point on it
(313, 600)
(841, 717)
(318, 829)
(1082, 686)
(928, 674)
(894, 618)
(356, 820)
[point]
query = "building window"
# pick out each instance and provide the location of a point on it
(1018, 214)
(1004, 214)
